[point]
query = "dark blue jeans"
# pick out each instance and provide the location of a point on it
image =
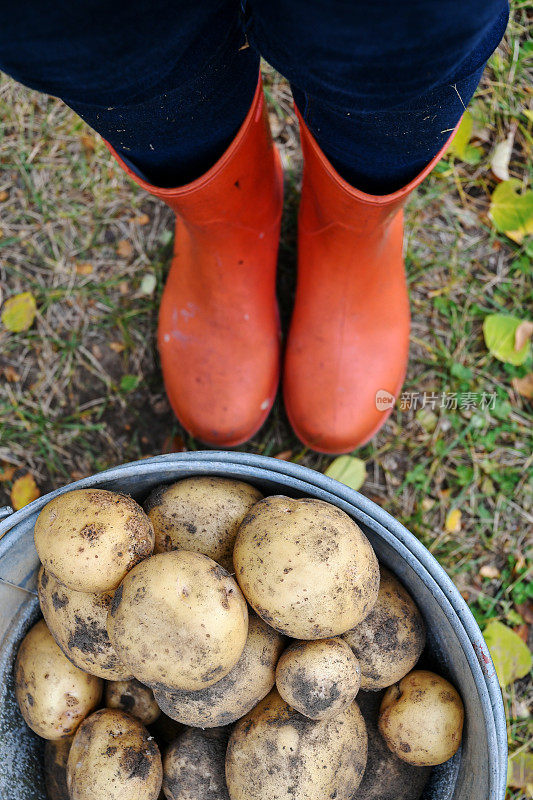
(380, 83)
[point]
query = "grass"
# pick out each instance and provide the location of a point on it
(81, 390)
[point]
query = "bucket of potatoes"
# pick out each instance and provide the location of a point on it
(214, 643)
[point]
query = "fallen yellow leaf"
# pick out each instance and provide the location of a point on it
(523, 334)
(117, 347)
(453, 521)
(348, 470)
(489, 571)
(124, 248)
(524, 386)
(3, 196)
(23, 491)
(520, 772)
(84, 269)
(19, 312)
(142, 219)
(88, 142)
(511, 656)
(12, 376)
(6, 472)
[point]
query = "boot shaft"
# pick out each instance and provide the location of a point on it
(328, 200)
(243, 188)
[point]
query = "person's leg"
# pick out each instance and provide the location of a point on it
(380, 87)
(174, 91)
(167, 84)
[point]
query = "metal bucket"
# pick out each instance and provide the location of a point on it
(455, 647)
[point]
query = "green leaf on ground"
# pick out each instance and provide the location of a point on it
(511, 656)
(459, 145)
(348, 470)
(427, 419)
(129, 382)
(499, 331)
(473, 154)
(19, 312)
(510, 211)
(460, 371)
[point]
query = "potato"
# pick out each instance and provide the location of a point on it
(276, 753)
(249, 681)
(201, 514)
(133, 698)
(54, 696)
(421, 719)
(77, 621)
(178, 621)
(305, 567)
(113, 757)
(386, 776)
(90, 538)
(389, 641)
(55, 768)
(319, 678)
(193, 767)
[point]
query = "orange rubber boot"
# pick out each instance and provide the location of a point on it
(348, 344)
(218, 333)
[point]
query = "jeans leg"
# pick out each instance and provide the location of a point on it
(381, 85)
(166, 83)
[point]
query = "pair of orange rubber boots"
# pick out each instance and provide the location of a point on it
(219, 334)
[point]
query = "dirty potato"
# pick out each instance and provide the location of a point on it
(275, 752)
(90, 538)
(319, 678)
(389, 641)
(77, 621)
(178, 621)
(421, 719)
(55, 768)
(305, 567)
(201, 514)
(54, 696)
(386, 776)
(113, 757)
(231, 698)
(194, 766)
(134, 698)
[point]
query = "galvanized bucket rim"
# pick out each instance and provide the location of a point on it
(411, 550)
